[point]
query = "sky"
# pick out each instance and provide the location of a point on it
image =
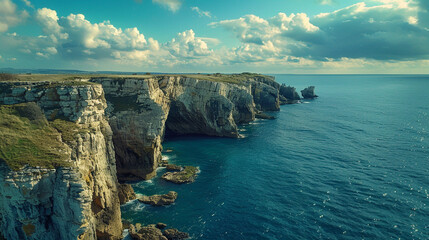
(270, 36)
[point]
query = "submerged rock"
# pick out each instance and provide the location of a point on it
(187, 175)
(264, 116)
(174, 234)
(173, 167)
(160, 200)
(126, 193)
(308, 92)
(161, 225)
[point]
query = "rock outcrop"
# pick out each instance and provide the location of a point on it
(75, 202)
(308, 92)
(146, 233)
(126, 193)
(174, 234)
(160, 200)
(153, 232)
(186, 175)
(289, 93)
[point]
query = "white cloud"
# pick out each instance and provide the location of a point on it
(388, 30)
(172, 5)
(186, 45)
(325, 2)
(9, 15)
(28, 3)
(201, 13)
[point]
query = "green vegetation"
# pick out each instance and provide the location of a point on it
(82, 79)
(7, 77)
(27, 138)
(69, 130)
(227, 78)
(188, 173)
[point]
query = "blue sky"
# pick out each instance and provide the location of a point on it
(272, 36)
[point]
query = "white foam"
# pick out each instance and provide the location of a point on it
(160, 169)
(164, 157)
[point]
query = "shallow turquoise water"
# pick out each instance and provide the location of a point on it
(352, 164)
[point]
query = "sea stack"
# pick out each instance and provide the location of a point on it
(308, 92)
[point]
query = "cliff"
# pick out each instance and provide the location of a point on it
(142, 110)
(72, 196)
(65, 144)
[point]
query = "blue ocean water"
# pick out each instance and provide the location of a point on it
(352, 164)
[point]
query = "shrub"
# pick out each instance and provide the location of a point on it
(7, 77)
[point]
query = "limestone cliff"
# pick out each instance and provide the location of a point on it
(108, 129)
(78, 201)
(141, 110)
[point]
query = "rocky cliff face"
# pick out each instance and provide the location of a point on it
(106, 140)
(141, 110)
(76, 202)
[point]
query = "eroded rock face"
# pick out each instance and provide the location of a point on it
(141, 110)
(309, 92)
(126, 193)
(77, 202)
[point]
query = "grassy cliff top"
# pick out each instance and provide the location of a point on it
(26, 138)
(79, 79)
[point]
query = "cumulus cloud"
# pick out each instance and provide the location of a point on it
(172, 5)
(186, 45)
(386, 30)
(201, 13)
(9, 15)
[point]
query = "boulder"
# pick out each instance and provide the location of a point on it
(146, 233)
(161, 225)
(187, 175)
(173, 167)
(308, 92)
(160, 200)
(174, 234)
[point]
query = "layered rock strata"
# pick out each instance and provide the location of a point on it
(142, 110)
(75, 202)
(118, 138)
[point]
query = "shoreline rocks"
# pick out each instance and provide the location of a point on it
(187, 175)
(173, 167)
(160, 200)
(308, 92)
(264, 116)
(154, 232)
(288, 95)
(126, 193)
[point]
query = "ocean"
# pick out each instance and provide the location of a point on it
(351, 164)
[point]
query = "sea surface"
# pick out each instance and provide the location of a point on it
(351, 164)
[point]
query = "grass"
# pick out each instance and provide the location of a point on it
(28, 139)
(69, 130)
(76, 79)
(187, 173)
